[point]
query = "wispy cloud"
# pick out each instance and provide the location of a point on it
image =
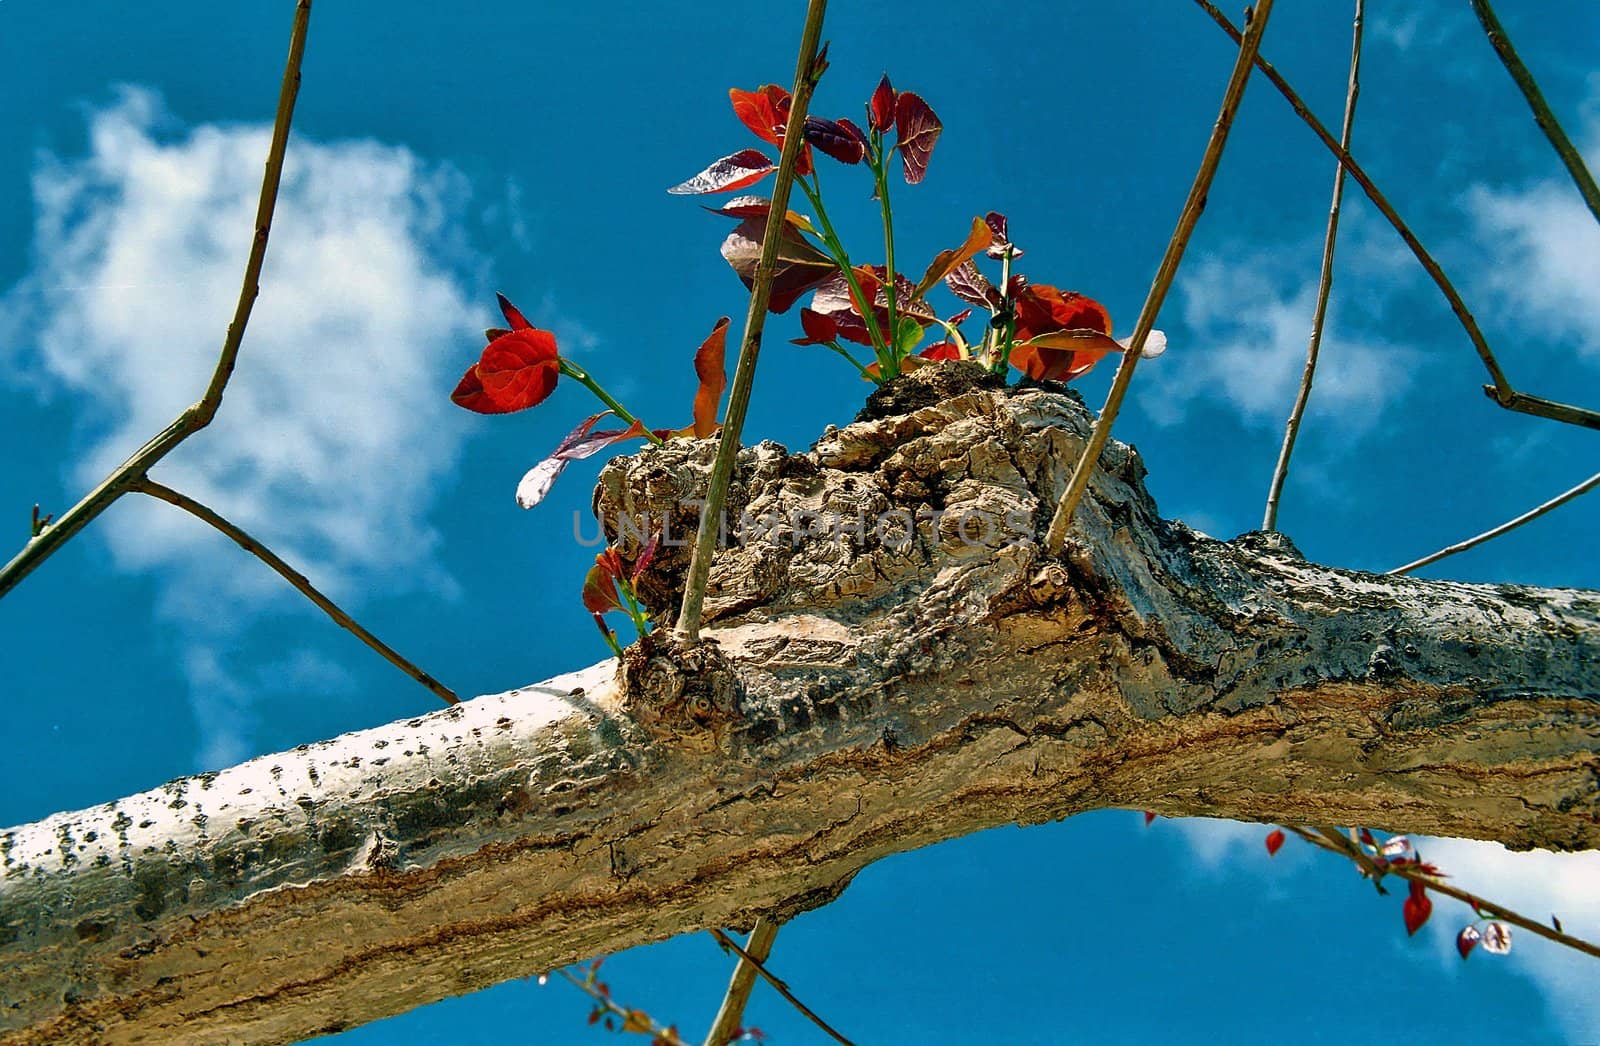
(1247, 320)
(335, 427)
(1546, 250)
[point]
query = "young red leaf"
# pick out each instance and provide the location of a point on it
(947, 261)
(516, 371)
(1467, 940)
(578, 444)
(745, 167)
(918, 129)
(646, 556)
(837, 138)
(941, 350)
(800, 266)
(1002, 238)
(972, 286)
(1149, 815)
(759, 207)
(512, 314)
(759, 111)
(880, 111)
(819, 328)
(637, 1021)
(600, 591)
(1274, 842)
(1417, 908)
(766, 112)
(713, 375)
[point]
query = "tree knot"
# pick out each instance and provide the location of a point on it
(676, 689)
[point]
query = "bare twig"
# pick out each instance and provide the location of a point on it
(705, 542)
(1501, 391)
(1510, 525)
(1541, 109)
(295, 578)
(631, 1019)
(730, 1015)
(781, 988)
(1340, 845)
(1192, 208)
(1324, 284)
(130, 473)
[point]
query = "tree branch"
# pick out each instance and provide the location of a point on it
(1504, 528)
(1501, 391)
(1542, 115)
(1165, 274)
(853, 699)
(193, 419)
(298, 580)
(755, 963)
(1319, 314)
(730, 1015)
(744, 372)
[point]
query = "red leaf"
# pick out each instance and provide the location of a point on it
(1467, 940)
(516, 371)
(766, 112)
(743, 168)
(1274, 842)
(758, 110)
(1002, 238)
(579, 443)
(839, 139)
(513, 315)
(1149, 815)
(947, 261)
(800, 266)
(646, 556)
(1417, 908)
(491, 333)
(819, 327)
(600, 591)
(941, 350)
(709, 367)
(972, 286)
(880, 111)
(758, 207)
(918, 129)
(1062, 334)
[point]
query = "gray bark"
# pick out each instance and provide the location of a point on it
(860, 695)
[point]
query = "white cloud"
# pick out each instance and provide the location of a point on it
(337, 423)
(1536, 884)
(1546, 252)
(1247, 329)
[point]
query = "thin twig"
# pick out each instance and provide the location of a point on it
(609, 1005)
(1461, 546)
(129, 474)
(1501, 391)
(1541, 109)
(1324, 284)
(1192, 208)
(1342, 846)
(744, 373)
(781, 988)
(295, 578)
(730, 1015)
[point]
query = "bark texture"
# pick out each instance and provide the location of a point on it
(892, 661)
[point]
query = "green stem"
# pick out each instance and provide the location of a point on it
(840, 349)
(879, 171)
(835, 248)
(578, 374)
(1004, 361)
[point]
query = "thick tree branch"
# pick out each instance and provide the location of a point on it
(859, 697)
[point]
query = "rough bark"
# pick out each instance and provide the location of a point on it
(860, 695)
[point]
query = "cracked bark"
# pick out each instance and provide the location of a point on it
(862, 694)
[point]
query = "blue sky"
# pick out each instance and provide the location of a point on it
(525, 148)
